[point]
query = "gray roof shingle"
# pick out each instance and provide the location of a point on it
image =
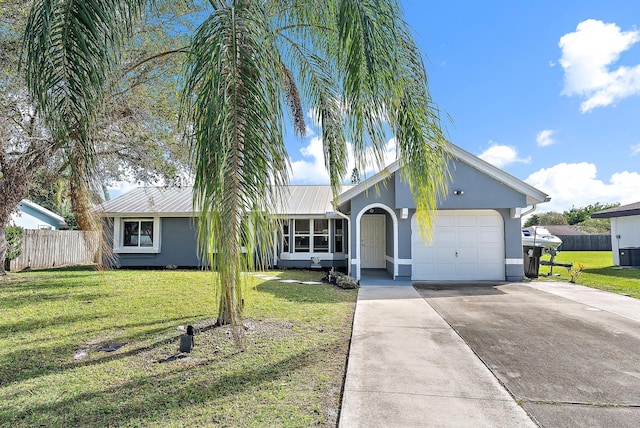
(621, 211)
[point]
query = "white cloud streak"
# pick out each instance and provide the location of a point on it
(587, 57)
(502, 155)
(543, 138)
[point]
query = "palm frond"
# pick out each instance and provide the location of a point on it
(71, 48)
(232, 107)
(385, 86)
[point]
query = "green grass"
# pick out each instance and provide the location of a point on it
(291, 374)
(599, 272)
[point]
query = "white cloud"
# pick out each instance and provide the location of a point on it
(576, 184)
(121, 187)
(501, 155)
(635, 149)
(311, 169)
(587, 55)
(543, 138)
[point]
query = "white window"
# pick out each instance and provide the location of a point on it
(320, 235)
(302, 236)
(136, 235)
(309, 236)
(338, 240)
(286, 248)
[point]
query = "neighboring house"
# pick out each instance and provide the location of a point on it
(33, 216)
(476, 234)
(625, 233)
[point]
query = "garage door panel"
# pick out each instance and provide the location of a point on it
(490, 220)
(445, 221)
(466, 221)
(466, 245)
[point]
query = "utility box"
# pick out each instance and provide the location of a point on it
(531, 257)
(629, 256)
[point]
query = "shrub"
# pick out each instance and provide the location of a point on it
(575, 271)
(14, 242)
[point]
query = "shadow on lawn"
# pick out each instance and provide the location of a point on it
(304, 293)
(616, 272)
(153, 397)
(21, 365)
(19, 300)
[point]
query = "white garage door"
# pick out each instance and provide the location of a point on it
(466, 245)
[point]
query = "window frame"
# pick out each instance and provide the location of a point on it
(119, 231)
(337, 235)
(310, 234)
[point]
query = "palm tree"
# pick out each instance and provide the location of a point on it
(252, 67)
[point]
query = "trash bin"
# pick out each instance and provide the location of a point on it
(531, 257)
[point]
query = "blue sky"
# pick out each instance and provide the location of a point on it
(549, 91)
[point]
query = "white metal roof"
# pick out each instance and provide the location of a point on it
(297, 200)
(151, 200)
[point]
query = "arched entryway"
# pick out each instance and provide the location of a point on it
(376, 237)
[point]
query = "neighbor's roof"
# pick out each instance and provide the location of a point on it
(533, 196)
(297, 200)
(621, 211)
(43, 210)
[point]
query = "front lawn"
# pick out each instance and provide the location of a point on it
(53, 373)
(599, 272)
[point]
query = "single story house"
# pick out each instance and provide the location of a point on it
(625, 233)
(476, 234)
(34, 216)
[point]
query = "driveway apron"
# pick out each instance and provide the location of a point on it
(570, 356)
(408, 368)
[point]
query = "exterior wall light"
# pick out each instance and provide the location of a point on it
(458, 192)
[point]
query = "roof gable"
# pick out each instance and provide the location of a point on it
(43, 213)
(533, 196)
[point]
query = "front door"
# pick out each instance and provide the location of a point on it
(373, 241)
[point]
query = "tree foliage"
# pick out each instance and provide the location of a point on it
(14, 242)
(578, 215)
(133, 135)
(252, 66)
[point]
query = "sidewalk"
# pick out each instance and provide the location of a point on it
(624, 306)
(408, 368)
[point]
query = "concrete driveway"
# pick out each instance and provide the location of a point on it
(569, 361)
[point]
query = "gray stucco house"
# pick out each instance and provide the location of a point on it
(476, 234)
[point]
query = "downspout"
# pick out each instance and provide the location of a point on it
(533, 208)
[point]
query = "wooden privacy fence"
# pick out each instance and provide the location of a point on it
(44, 249)
(585, 242)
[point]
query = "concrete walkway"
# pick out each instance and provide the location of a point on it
(623, 306)
(408, 368)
